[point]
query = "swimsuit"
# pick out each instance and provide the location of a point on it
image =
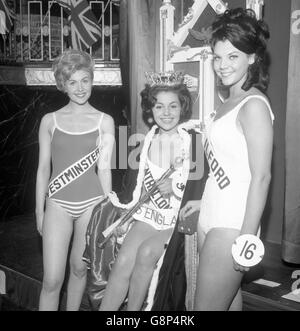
(226, 190)
(74, 184)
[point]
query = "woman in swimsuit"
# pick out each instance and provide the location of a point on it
(238, 143)
(75, 148)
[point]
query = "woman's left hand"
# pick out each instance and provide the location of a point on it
(240, 268)
(165, 188)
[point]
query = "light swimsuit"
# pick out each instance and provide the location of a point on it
(225, 195)
(74, 184)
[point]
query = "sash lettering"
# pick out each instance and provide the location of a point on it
(156, 197)
(161, 218)
(215, 167)
(73, 172)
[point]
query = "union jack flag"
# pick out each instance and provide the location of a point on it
(6, 17)
(85, 30)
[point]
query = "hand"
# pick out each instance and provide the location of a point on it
(240, 268)
(120, 231)
(165, 188)
(39, 223)
(189, 208)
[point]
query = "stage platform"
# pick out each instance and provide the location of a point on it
(21, 273)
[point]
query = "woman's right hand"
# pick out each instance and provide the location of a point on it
(190, 207)
(39, 223)
(119, 231)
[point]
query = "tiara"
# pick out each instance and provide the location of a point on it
(170, 78)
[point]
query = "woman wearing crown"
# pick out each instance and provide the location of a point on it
(150, 244)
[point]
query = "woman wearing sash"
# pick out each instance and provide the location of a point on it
(238, 145)
(166, 102)
(74, 141)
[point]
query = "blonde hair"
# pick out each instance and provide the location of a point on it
(68, 63)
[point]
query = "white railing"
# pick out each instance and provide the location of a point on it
(41, 31)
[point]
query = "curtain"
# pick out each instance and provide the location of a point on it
(139, 52)
(291, 226)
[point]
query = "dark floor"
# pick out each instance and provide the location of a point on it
(21, 246)
(272, 269)
(21, 261)
(7, 305)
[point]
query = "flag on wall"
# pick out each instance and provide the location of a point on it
(85, 30)
(6, 17)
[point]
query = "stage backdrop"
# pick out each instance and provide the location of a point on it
(139, 52)
(291, 228)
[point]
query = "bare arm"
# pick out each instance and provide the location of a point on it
(43, 172)
(256, 123)
(107, 145)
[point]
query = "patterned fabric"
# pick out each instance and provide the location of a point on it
(100, 260)
(6, 17)
(76, 209)
(85, 30)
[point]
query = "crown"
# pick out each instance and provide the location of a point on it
(170, 78)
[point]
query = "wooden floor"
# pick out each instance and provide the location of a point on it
(21, 262)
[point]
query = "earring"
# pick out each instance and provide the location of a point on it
(150, 120)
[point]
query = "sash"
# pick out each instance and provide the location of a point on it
(158, 200)
(73, 172)
(216, 169)
(161, 218)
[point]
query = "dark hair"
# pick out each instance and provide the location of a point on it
(249, 35)
(149, 100)
(68, 62)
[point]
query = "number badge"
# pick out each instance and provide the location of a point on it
(248, 250)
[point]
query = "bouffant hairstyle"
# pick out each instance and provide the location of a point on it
(68, 62)
(149, 100)
(249, 35)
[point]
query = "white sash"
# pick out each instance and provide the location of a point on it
(216, 169)
(73, 172)
(158, 200)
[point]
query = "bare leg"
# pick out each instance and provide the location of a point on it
(57, 231)
(78, 270)
(118, 283)
(147, 256)
(217, 281)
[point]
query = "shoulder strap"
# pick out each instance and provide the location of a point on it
(55, 124)
(256, 96)
(99, 128)
(54, 118)
(100, 121)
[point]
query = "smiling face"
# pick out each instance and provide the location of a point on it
(79, 87)
(166, 111)
(231, 64)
